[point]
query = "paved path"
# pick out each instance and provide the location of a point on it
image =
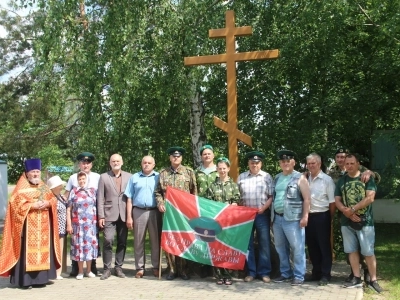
(197, 288)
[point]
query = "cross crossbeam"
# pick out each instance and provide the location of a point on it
(230, 32)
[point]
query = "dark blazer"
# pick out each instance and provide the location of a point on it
(110, 203)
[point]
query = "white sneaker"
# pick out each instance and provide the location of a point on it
(90, 275)
(59, 277)
(79, 277)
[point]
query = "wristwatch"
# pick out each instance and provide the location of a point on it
(352, 209)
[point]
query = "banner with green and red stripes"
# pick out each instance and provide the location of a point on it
(206, 231)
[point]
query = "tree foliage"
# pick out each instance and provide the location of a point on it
(108, 76)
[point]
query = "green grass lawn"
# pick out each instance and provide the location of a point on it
(387, 251)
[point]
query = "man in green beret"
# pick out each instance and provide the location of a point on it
(207, 171)
(182, 178)
(85, 163)
(256, 188)
(205, 176)
(337, 171)
(289, 214)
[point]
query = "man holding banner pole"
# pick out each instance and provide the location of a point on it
(182, 178)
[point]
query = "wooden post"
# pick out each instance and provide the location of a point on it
(230, 32)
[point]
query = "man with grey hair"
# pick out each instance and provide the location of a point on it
(111, 210)
(318, 230)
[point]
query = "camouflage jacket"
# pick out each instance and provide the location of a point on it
(182, 178)
(227, 192)
(335, 172)
(204, 181)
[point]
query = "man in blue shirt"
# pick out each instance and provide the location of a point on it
(143, 214)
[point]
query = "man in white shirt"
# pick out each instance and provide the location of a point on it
(318, 230)
(85, 160)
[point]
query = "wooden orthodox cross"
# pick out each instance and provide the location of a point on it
(230, 58)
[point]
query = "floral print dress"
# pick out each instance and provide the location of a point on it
(84, 244)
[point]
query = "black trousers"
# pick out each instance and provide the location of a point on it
(318, 239)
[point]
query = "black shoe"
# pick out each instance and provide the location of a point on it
(350, 277)
(171, 276)
(296, 282)
(106, 274)
(374, 285)
(311, 278)
(27, 287)
(93, 267)
(367, 278)
(354, 283)
(281, 279)
(323, 281)
(74, 272)
(185, 276)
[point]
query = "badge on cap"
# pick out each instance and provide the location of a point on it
(176, 154)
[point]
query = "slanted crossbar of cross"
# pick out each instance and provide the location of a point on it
(230, 32)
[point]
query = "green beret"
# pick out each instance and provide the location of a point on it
(206, 147)
(342, 150)
(205, 228)
(176, 151)
(223, 159)
(255, 156)
(286, 154)
(85, 156)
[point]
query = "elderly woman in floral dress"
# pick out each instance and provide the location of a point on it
(81, 223)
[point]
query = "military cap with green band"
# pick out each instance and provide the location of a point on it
(286, 154)
(205, 228)
(255, 156)
(85, 156)
(176, 151)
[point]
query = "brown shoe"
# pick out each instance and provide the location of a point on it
(119, 273)
(156, 273)
(248, 278)
(139, 274)
(266, 279)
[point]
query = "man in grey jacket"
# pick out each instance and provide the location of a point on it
(111, 210)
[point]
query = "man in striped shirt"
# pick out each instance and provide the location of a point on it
(256, 189)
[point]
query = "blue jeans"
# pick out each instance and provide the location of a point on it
(289, 236)
(261, 227)
(355, 239)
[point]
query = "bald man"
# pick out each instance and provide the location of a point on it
(111, 209)
(143, 216)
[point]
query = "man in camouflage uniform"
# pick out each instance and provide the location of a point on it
(338, 169)
(183, 178)
(207, 172)
(336, 172)
(205, 176)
